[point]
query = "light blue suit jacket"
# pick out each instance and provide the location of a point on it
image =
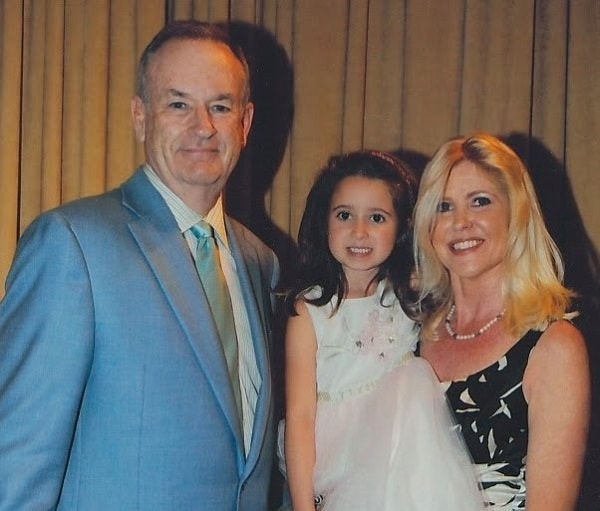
(114, 392)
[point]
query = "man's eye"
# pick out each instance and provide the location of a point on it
(219, 108)
(343, 215)
(444, 206)
(177, 105)
(378, 218)
(481, 201)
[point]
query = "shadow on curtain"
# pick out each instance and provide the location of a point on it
(272, 94)
(582, 274)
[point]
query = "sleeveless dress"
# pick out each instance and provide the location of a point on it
(491, 411)
(385, 440)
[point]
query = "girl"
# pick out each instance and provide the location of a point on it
(367, 427)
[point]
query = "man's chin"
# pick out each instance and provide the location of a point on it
(203, 176)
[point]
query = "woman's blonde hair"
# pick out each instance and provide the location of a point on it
(532, 290)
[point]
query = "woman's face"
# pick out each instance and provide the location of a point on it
(470, 235)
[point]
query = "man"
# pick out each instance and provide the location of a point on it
(117, 391)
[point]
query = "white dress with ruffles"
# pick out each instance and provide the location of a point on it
(385, 440)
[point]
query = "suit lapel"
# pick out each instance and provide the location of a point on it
(250, 275)
(168, 255)
(251, 283)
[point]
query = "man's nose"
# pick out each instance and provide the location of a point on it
(203, 124)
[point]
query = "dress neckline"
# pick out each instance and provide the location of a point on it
(526, 342)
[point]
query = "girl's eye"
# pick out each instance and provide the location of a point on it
(481, 201)
(444, 206)
(343, 215)
(378, 218)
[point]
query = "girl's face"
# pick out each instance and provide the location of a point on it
(362, 227)
(471, 231)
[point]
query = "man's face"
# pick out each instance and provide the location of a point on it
(195, 121)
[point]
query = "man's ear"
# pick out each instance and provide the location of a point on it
(138, 117)
(247, 120)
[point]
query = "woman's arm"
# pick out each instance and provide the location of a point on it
(556, 385)
(301, 403)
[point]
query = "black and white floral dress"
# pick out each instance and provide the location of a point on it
(491, 411)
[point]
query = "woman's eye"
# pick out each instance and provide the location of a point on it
(481, 201)
(444, 206)
(343, 215)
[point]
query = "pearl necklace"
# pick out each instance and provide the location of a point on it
(466, 337)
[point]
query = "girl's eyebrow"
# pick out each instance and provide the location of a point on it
(371, 210)
(379, 209)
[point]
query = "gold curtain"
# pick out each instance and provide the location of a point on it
(11, 43)
(400, 75)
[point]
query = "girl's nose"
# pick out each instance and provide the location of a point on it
(360, 229)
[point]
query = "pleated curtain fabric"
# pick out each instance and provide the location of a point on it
(528, 67)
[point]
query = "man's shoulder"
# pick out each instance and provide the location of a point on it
(98, 204)
(244, 233)
(253, 247)
(101, 209)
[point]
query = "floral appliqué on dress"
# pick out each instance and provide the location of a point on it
(378, 334)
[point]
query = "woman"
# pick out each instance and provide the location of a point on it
(496, 328)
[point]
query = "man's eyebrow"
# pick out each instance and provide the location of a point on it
(178, 93)
(220, 97)
(224, 96)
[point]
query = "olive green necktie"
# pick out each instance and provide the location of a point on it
(213, 281)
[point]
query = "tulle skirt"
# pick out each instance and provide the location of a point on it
(393, 447)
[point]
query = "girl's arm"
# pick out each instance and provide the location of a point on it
(301, 403)
(557, 387)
